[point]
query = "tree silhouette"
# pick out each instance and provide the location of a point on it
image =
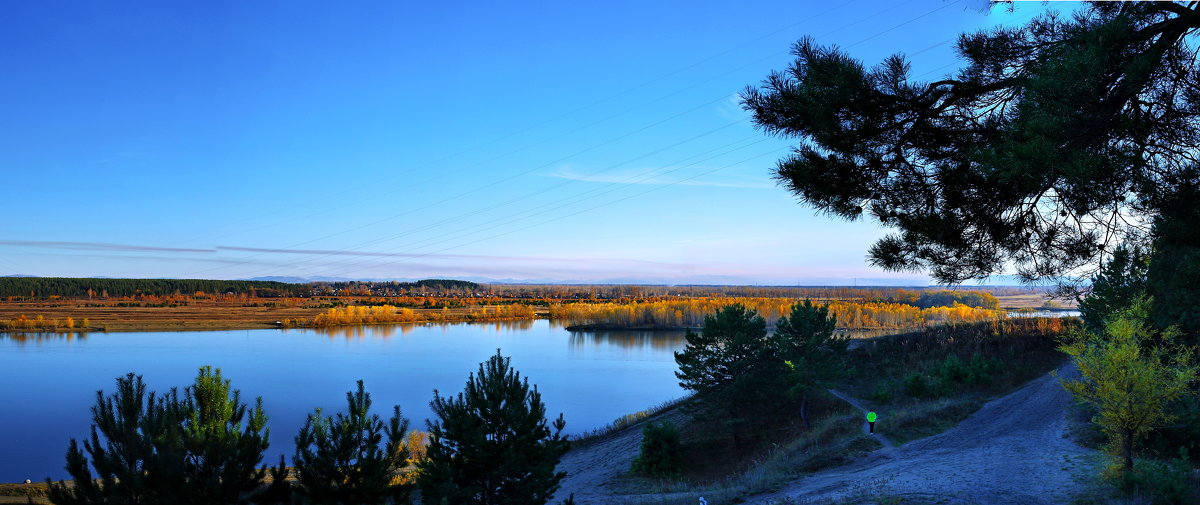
(1056, 142)
(491, 444)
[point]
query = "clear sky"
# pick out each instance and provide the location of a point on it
(520, 141)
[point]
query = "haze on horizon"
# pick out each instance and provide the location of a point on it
(537, 143)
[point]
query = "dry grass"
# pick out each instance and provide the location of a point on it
(1031, 301)
(197, 314)
(23, 493)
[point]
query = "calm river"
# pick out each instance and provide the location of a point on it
(50, 381)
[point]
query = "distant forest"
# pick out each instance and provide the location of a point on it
(44, 287)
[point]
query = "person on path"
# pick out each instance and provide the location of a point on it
(871, 420)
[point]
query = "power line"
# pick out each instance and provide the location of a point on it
(573, 199)
(511, 177)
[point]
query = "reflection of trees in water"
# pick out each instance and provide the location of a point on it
(22, 337)
(360, 331)
(628, 339)
(665, 340)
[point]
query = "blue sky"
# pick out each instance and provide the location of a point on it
(519, 141)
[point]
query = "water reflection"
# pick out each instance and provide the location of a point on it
(665, 341)
(23, 337)
(627, 339)
(361, 331)
(1045, 313)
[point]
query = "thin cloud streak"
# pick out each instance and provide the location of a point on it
(99, 246)
(325, 252)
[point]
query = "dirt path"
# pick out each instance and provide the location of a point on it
(1014, 450)
(593, 469)
(887, 444)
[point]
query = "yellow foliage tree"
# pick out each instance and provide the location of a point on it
(1129, 379)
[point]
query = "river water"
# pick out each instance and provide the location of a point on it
(50, 380)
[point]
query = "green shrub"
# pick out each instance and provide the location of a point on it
(917, 386)
(1164, 482)
(882, 393)
(951, 370)
(661, 455)
(980, 370)
(1166, 441)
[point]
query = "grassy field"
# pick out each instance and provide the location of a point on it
(224, 313)
(196, 314)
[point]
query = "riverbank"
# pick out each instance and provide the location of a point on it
(88, 315)
(202, 312)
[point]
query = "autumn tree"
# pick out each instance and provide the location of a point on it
(1128, 379)
(1055, 142)
(352, 457)
(491, 444)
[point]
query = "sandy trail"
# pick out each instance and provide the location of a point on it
(593, 469)
(887, 443)
(1014, 450)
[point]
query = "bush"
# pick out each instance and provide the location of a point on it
(951, 370)
(917, 386)
(661, 455)
(981, 369)
(882, 393)
(1164, 482)
(1166, 441)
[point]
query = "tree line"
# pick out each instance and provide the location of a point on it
(44, 287)
(490, 443)
(691, 313)
(449, 289)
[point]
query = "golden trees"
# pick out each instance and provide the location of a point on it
(1129, 379)
(690, 313)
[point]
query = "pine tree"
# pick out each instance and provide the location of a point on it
(1056, 141)
(1120, 281)
(661, 453)
(279, 491)
(133, 448)
(344, 459)
(491, 445)
(223, 445)
(148, 449)
(727, 365)
(805, 343)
